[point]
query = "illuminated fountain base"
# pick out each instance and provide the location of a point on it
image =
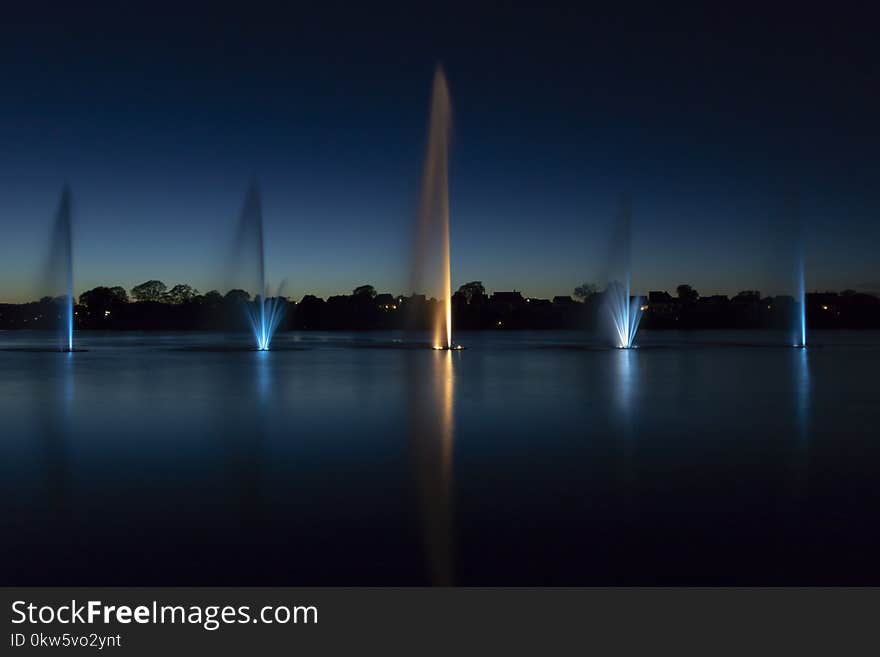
(455, 347)
(265, 317)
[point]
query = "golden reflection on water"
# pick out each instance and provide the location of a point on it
(433, 439)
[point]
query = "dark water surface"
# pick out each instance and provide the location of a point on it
(529, 458)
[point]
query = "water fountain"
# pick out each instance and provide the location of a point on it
(264, 313)
(800, 292)
(60, 270)
(786, 270)
(431, 270)
(800, 320)
(623, 311)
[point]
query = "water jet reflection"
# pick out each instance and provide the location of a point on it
(626, 375)
(432, 387)
(792, 526)
(56, 421)
(243, 437)
(802, 417)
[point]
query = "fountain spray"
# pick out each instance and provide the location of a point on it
(61, 262)
(432, 243)
(624, 312)
(264, 313)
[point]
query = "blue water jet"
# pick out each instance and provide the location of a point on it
(265, 317)
(61, 268)
(264, 313)
(623, 310)
(626, 313)
(800, 303)
(799, 320)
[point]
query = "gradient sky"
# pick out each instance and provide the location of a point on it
(159, 116)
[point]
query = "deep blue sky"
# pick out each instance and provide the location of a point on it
(159, 116)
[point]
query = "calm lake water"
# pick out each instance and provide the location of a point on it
(529, 458)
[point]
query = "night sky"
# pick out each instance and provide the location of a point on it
(709, 117)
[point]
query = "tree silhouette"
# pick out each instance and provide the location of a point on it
(149, 291)
(106, 307)
(212, 298)
(103, 297)
(102, 302)
(686, 293)
(748, 295)
(471, 291)
(585, 291)
(365, 291)
(180, 293)
(237, 296)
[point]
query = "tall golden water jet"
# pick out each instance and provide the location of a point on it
(432, 242)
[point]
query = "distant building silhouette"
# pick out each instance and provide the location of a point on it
(512, 299)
